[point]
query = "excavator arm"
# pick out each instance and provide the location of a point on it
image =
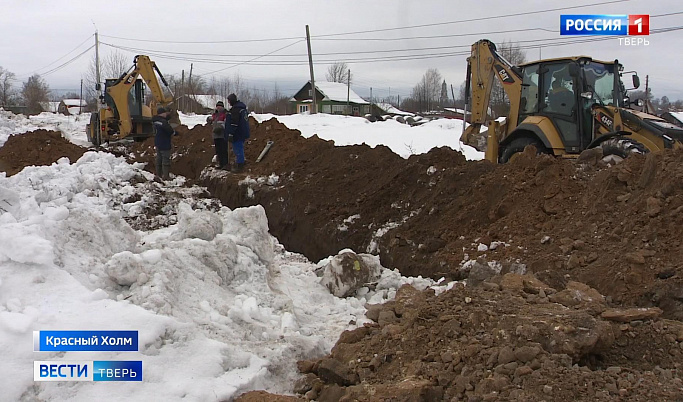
(484, 64)
(119, 90)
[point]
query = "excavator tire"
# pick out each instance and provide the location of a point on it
(622, 147)
(93, 130)
(518, 145)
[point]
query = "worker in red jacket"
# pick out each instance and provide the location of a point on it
(217, 120)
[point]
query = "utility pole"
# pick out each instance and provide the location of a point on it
(310, 66)
(80, 101)
(98, 87)
(467, 97)
(189, 79)
(646, 104)
(453, 94)
(182, 88)
(348, 91)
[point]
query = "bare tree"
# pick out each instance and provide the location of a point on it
(7, 92)
(112, 65)
(428, 91)
(35, 91)
(500, 104)
(338, 72)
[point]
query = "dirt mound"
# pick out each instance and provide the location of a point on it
(610, 227)
(617, 228)
(36, 148)
(501, 341)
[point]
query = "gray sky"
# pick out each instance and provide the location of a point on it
(38, 36)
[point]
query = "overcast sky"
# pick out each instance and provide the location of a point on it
(39, 36)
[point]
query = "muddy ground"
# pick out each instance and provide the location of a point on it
(616, 228)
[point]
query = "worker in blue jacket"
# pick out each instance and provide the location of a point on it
(163, 131)
(237, 130)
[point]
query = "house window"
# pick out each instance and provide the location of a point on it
(303, 108)
(327, 109)
(339, 109)
(310, 93)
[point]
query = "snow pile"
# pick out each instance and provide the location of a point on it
(72, 127)
(220, 306)
(191, 119)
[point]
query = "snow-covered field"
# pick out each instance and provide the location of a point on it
(400, 138)
(220, 306)
(72, 127)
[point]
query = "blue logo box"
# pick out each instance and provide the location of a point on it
(85, 341)
(597, 24)
(98, 370)
(117, 370)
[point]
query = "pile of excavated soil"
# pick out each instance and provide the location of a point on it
(37, 148)
(616, 228)
(515, 340)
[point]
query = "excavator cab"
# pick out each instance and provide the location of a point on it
(549, 90)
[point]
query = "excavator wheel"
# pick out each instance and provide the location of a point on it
(93, 130)
(622, 147)
(518, 145)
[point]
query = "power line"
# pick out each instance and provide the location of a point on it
(435, 36)
(376, 30)
(526, 44)
(74, 49)
(68, 62)
(203, 42)
(460, 34)
(256, 58)
(477, 19)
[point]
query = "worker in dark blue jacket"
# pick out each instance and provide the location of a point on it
(237, 130)
(162, 142)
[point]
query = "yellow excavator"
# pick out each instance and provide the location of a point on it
(562, 106)
(123, 112)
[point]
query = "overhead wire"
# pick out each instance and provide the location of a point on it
(493, 17)
(67, 62)
(71, 51)
(523, 44)
(202, 42)
(383, 55)
(375, 30)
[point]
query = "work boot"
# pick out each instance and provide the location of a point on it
(225, 167)
(238, 168)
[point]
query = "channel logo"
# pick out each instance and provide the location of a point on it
(97, 370)
(605, 24)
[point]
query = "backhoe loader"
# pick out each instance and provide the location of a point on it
(562, 106)
(122, 112)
